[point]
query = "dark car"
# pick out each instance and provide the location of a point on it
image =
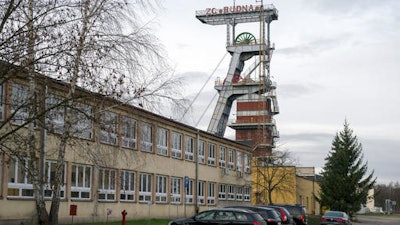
(232, 216)
(336, 218)
(268, 214)
(298, 212)
(284, 214)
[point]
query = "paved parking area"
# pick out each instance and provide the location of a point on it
(377, 220)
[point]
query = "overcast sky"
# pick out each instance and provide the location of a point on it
(333, 60)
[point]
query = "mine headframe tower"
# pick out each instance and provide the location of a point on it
(255, 95)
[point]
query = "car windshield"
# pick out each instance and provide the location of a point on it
(334, 214)
(272, 214)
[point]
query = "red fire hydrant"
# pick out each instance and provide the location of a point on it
(124, 216)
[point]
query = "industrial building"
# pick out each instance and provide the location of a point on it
(143, 163)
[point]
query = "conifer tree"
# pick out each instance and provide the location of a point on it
(345, 182)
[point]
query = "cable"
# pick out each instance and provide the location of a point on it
(201, 89)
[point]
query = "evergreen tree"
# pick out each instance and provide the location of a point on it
(345, 182)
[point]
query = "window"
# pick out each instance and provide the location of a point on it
(19, 183)
(201, 192)
(247, 163)
(239, 165)
(222, 157)
(19, 104)
(145, 187)
(50, 179)
(55, 115)
(146, 137)
(81, 176)
(82, 126)
(109, 128)
(162, 141)
(107, 184)
(211, 154)
(246, 194)
(128, 185)
(176, 151)
(128, 132)
(189, 192)
(231, 159)
(239, 193)
(222, 192)
(211, 194)
(201, 154)
(161, 189)
(1, 101)
(176, 193)
(231, 192)
(189, 148)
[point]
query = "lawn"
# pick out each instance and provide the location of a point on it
(133, 222)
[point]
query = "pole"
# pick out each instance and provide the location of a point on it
(184, 203)
(196, 205)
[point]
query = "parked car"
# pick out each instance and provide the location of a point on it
(268, 214)
(232, 216)
(298, 212)
(336, 218)
(284, 214)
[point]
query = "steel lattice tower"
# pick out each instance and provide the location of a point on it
(255, 95)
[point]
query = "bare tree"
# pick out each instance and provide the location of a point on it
(275, 174)
(98, 46)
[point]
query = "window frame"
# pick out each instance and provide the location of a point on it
(109, 127)
(211, 193)
(176, 145)
(107, 184)
(145, 187)
(19, 103)
(211, 156)
(231, 194)
(23, 185)
(48, 188)
(231, 159)
(55, 116)
(239, 193)
(201, 192)
(146, 137)
(162, 141)
(190, 192)
(189, 148)
(161, 189)
(201, 156)
(176, 190)
(222, 157)
(246, 194)
(222, 195)
(83, 126)
(127, 186)
(239, 164)
(247, 163)
(86, 183)
(128, 132)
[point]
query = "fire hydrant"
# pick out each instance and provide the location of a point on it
(124, 216)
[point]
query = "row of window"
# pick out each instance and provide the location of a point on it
(123, 131)
(133, 186)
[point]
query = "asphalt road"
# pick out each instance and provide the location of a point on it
(377, 220)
